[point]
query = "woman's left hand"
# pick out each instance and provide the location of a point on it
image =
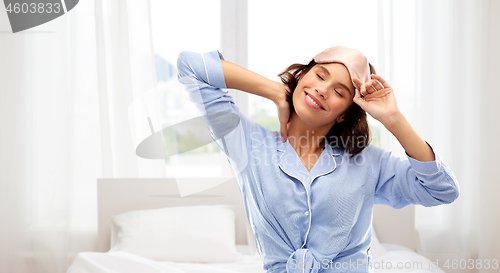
(379, 100)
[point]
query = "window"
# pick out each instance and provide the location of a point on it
(177, 26)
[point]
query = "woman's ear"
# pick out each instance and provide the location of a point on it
(340, 119)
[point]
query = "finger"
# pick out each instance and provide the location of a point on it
(358, 100)
(379, 95)
(283, 137)
(371, 86)
(283, 132)
(381, 80)
(363, 90)
(362, 87)
(357, 82)
(387, 92)
(377, 85)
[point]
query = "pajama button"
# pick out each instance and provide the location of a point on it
(307, 213)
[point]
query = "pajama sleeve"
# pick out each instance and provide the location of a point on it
(404, 182)
(203, 80)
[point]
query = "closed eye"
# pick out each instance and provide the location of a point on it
(338, 92)
(320, 77)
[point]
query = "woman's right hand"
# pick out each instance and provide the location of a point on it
(280, 99)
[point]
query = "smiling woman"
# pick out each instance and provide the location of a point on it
(317, 80)
(310, 202)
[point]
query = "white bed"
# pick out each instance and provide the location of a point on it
(394, 229)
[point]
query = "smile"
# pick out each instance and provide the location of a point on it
(311, 102)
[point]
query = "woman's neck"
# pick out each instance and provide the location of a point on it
(305, 138)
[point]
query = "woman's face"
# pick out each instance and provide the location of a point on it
(330, 87)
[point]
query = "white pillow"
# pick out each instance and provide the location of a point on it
(377, 249)
(178, 234)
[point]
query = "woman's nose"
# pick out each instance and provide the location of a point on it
(321, 91)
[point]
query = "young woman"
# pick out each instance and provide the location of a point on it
(309, 190)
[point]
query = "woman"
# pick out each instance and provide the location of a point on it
(310, 201)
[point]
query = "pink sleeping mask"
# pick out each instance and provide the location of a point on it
(355, 62)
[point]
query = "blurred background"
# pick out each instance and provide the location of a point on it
(76, 92)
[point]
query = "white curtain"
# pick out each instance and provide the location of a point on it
(127, 87)
(75, 95)
(442, 58)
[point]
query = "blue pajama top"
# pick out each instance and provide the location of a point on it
(317, 221)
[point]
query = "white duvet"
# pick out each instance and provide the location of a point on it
(122, 262)
(398, 258)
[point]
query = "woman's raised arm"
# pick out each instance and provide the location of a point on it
(204, 80)
(243, 79)
(237, 77)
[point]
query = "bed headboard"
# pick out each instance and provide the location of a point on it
(119, 195)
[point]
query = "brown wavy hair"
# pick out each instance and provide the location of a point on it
(352, 134)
